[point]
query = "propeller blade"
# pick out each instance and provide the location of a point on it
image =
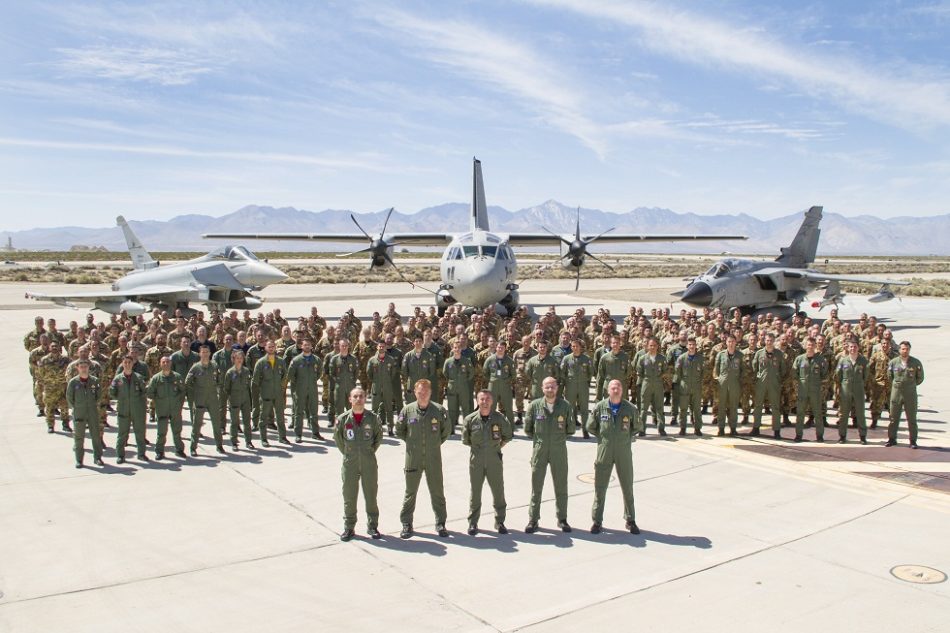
(577, 282)
(602, 262)
(353, 217)
(389, 260)
(577, 227)
(365, 250)
(386, 223)
(556, 235)
(592, 240)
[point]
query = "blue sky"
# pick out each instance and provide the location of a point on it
(157, 109)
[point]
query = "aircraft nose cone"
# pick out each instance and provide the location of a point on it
(698, 294)
(261, 274)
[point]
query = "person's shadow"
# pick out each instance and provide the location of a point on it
(624, 537)
(418, 544)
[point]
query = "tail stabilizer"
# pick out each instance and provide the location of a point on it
(801, 252)
(478, 216)
(141, 260)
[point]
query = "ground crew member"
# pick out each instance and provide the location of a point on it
(727, 371)
(236, 395)
(166, 389)
(851, 375)
(128, 390)
(576, 372)
(672, 355)
(269, 382)
(82, 394)
(538, 368)
(382, 372)
(36, 353)
(906, 373)
(202, 385)
(358, 434)
(613, 422)
(688, 375)
(182, 360)
(549, 422)
(650, 368)
(417, 364)
(880, 379)
(344, 371)
(501, 372)
(459, 373)
(486, 432)
(51, 370)
(521, 358)
(424, 426)
(302, 375)
(810, 370)
(768, 366)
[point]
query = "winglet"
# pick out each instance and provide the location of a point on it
(141, 260)
(801, 252)
(478, 218)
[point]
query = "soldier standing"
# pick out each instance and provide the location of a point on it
(424, 427)
(459, 373)
(549, 422)
(768, 366)
(613, 422)
(344, 371)
(650, 368)
(128, 390)
(82, 394)
(851, 375)
(688, 384)
(810, 370)
(202, 386)
(357, 435)
(269, 382)
(416, 365)
(36, 353)
(486, 432)
(381, 371)
(522, 384)
(880, 379)
(727, 371)
(576, 372)
(166, 389)
(501, 372)
(906, 373)
(236, 395)
(51, 370)
(302, 374)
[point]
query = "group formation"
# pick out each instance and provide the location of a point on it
(496, 373)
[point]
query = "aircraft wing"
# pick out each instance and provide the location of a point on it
(547, 239)
(409, 239)
(816, 277)
(73, 299)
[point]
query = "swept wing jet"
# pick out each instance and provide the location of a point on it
(478, 267)
(778, 287)
(223, 279)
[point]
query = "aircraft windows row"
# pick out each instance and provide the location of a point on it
(470, 251)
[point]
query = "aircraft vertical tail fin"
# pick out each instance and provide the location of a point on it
(141, 259)
(478, 215)
(801, 252)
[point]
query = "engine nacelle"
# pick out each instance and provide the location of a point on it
(247, 302)
(132, 308)
(881, 296)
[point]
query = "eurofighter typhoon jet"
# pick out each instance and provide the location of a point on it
(778, 287)
(478, 267)
(224, 279)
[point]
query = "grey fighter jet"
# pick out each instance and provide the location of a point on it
(223, 279)
(777, 287)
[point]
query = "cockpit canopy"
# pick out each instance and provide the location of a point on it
(725, 266)
(466, 248)
(232, 253)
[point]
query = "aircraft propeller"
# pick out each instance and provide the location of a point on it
(378, 246)
(577, 248)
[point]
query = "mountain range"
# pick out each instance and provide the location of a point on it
(841, 235)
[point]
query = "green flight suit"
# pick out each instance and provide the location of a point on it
(83, 398)
(302, 375)
(236, 396)
(688, 383)
(904, 381)
(728, 372)
(809, 374)
(672, 355)
(459, 380)
(615, 434)
(536, 370)
(851, 378)
(255, 353)
(549, 431)
(769, 370)
(269, 383)
(416, 368)
(576, 373)
(381, 375)
(344, 372)
(168, 395)
(424, 433)
(180, 365)
(650, 383)
(129, 394)
(501, 374)
(486, 435)
(358, 444)
(202, 386)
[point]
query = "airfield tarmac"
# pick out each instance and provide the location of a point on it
(738, 534)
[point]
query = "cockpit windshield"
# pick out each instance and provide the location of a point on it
(726, 266)
(232, 253)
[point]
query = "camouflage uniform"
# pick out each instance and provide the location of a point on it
(522, 385)
(51, 370)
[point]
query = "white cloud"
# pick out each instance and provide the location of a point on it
(907, 97)
(152, 65)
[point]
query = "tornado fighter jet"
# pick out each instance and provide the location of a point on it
(223, 279)
(777, 287)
